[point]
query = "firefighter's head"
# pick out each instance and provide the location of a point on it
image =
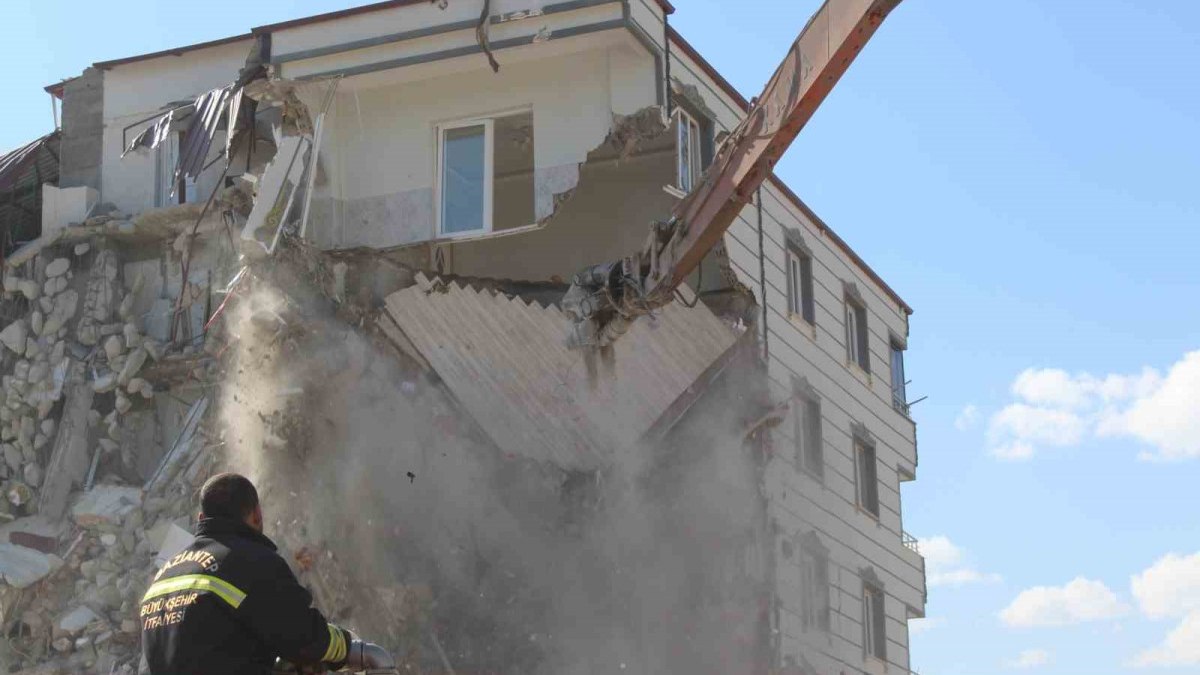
(232, 496)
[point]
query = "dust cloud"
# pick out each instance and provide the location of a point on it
(415, 532)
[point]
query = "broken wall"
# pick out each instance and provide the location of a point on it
(606, 216)
(137, 90)
(379, 153)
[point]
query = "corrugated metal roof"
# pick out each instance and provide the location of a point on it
(507, 363)
(13, 164)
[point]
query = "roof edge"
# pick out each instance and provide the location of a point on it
(744, 104)
(666, 6)
(176, 51)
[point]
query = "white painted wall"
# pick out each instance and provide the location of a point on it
(380, 146)
(340, 32)
(63, 206)
(140, 89)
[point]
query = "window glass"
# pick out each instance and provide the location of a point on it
(852, 346)
(800, 286)
(808, 436)
(463, 179)
(685, 153)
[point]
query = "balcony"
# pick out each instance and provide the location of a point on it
(910, 542)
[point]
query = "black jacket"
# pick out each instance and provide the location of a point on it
(228, 605)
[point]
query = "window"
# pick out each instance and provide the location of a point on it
(800, 285)
(688, 146)
(899, 397)
(476, 157)
(168, 191)
(874, 622)
(809, 455)
(866, 478)
(857, 348)
(814, 587)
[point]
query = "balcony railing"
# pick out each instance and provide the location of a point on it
(910, 542)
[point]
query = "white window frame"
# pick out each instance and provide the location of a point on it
(687, 124)
(489, 161)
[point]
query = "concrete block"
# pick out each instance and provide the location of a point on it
(22, 567)
(105, 505)
(76, 620)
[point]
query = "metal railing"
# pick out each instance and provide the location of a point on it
(910, 542)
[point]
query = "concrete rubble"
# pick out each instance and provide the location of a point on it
(82, 429)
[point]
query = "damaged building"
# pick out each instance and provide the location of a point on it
(332, 252)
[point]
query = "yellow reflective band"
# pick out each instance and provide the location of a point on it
(197, 582)
(336, 652)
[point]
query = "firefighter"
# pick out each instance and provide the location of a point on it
(229, 604)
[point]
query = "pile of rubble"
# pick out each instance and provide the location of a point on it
(100, 431)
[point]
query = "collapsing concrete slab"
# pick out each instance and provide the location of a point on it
(558, 404)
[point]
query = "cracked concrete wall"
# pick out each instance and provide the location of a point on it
(607, 217)
(379, 154)
(82, 148)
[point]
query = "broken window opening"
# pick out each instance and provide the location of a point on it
(168, 190)
(485, 178)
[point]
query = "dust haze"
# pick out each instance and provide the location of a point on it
(415, 532)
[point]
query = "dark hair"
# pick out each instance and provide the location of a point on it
(228, 495)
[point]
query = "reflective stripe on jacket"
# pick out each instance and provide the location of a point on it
(229, 604)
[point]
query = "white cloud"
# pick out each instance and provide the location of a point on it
(1079, 601)
(1052, 387)
(1180, 648)
(1170, 587)
(1054, 408)
(1017, 429)
(1030, 658)
(944, 564)
(967, 418)
(1165, 418)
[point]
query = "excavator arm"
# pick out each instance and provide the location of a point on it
(605, 299)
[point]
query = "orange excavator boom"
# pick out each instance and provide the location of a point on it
(605, 298)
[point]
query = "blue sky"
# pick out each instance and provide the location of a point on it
(1024, 174)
